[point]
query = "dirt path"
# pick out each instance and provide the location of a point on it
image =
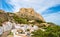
(5, 34)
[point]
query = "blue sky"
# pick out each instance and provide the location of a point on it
(49, 9)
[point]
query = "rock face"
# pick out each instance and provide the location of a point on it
(24, 13)
(29, 13)
(3, 16)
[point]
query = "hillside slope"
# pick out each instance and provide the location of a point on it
(23, 16)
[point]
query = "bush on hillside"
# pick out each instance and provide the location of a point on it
(39, 21)
(20, 20)
(50, 32)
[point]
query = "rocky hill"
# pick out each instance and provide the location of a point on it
(3, 16)
(24, 15)
(29, 13)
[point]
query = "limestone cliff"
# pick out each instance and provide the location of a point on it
(29, 13)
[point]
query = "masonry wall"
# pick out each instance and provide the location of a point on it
(5, 27)
(1, 30)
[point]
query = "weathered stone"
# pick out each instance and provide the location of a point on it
(7, 26)
(1, 30)
(29, 13)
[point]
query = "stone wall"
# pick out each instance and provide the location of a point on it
(1, 30)
(6, 27)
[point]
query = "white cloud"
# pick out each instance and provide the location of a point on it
(38, 5)
(29, 0)
(54, 17)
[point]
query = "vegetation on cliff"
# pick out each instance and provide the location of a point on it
(49, 32)
(29, 16)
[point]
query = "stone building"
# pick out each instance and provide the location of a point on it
(7, 26)
(1, 30)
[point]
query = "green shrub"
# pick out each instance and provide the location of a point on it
(50, 32)
(20, 20)
(10, 33)
(39, 21)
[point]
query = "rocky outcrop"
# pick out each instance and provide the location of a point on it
(24, 13)
(29, 13)
(3, 16)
